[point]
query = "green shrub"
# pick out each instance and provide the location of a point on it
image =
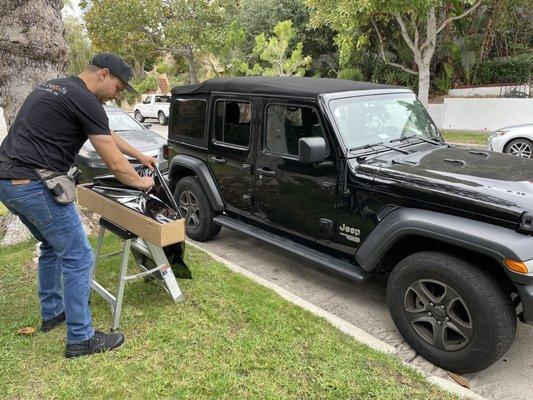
(516, 70)
(148, 84)
(353, 74)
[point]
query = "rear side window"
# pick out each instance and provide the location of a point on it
(188, 118)
(232, 123)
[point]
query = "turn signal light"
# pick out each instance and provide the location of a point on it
(166, 151)
(516, 266)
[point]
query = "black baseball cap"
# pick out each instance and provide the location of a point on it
(117, 66)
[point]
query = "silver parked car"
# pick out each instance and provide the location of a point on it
(515, 140)
(138, 135)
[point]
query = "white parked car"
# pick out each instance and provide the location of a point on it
(515, 140)
(154, 106)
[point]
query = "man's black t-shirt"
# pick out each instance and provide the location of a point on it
(51, 127)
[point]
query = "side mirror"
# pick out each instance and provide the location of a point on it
(312, 149)
(147, 126)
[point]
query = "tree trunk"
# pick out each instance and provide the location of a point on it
(423, 83)
(32, 49)
(191, 62)
(138, 69)
(488, 38)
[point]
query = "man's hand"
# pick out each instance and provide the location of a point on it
(147, 161)
(147, 182)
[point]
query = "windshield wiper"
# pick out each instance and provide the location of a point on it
(368, 146)
(401, 139)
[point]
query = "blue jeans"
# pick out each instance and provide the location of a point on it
(66, 260)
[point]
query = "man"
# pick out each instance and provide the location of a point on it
(49, 130)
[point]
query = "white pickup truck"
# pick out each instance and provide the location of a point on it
(154, 106)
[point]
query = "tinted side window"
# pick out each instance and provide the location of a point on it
(286, 125)
(188, 118)
(232, 122)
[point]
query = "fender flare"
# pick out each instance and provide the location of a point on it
(199, 168)
(491, 240)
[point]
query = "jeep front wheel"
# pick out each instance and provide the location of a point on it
(450, 312)
(196, 209)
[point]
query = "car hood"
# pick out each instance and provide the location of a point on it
(143, 140)
(486, 183)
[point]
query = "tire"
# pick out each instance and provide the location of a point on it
(161, 118)
(520, 148)
(196, 209)
(481, 322)
(138, 116)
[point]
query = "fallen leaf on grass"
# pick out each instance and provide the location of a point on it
(29, 330)
(461, 380)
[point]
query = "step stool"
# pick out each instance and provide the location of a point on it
(131, 241)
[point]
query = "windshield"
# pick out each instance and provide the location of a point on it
(123, 122)
(380, 119)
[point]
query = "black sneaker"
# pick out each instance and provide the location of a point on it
(98, 343)
(50, 324)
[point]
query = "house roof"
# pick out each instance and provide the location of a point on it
(278, 85)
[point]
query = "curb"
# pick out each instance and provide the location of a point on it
(343, 325)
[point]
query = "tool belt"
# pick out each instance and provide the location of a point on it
(61, 185)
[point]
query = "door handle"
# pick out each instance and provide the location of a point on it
(218, 160)
(328, 184)
(266, 172)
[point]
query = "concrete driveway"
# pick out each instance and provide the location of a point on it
(364, 305)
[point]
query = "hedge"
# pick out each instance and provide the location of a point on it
(517, 70)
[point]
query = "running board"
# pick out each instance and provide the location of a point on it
(325, 261)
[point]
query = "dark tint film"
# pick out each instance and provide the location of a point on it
(232, 122)
(189, 118)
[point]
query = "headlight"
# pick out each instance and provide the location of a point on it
(500, 132)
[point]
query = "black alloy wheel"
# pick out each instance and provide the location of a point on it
(520, 147)
(188, 205)
(451, 311)
(438, 314)
(196, 209)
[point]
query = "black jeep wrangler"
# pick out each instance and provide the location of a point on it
(355, 177)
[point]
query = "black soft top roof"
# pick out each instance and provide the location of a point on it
(278, 85)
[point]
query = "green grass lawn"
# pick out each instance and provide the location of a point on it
(230, 339)
(465, 137)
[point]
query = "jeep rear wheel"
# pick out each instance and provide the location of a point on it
(196, 209)
(450, 312)
(138, 116)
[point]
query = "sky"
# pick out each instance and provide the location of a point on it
(73, 9)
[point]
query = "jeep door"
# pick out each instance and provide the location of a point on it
(293, 196)
(229, 155)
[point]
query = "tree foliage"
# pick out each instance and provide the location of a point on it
(119, 26)
(184, 28)
(419, 21)
(80, 49)
(275, 56)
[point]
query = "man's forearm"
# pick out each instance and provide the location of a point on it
(125, 147)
